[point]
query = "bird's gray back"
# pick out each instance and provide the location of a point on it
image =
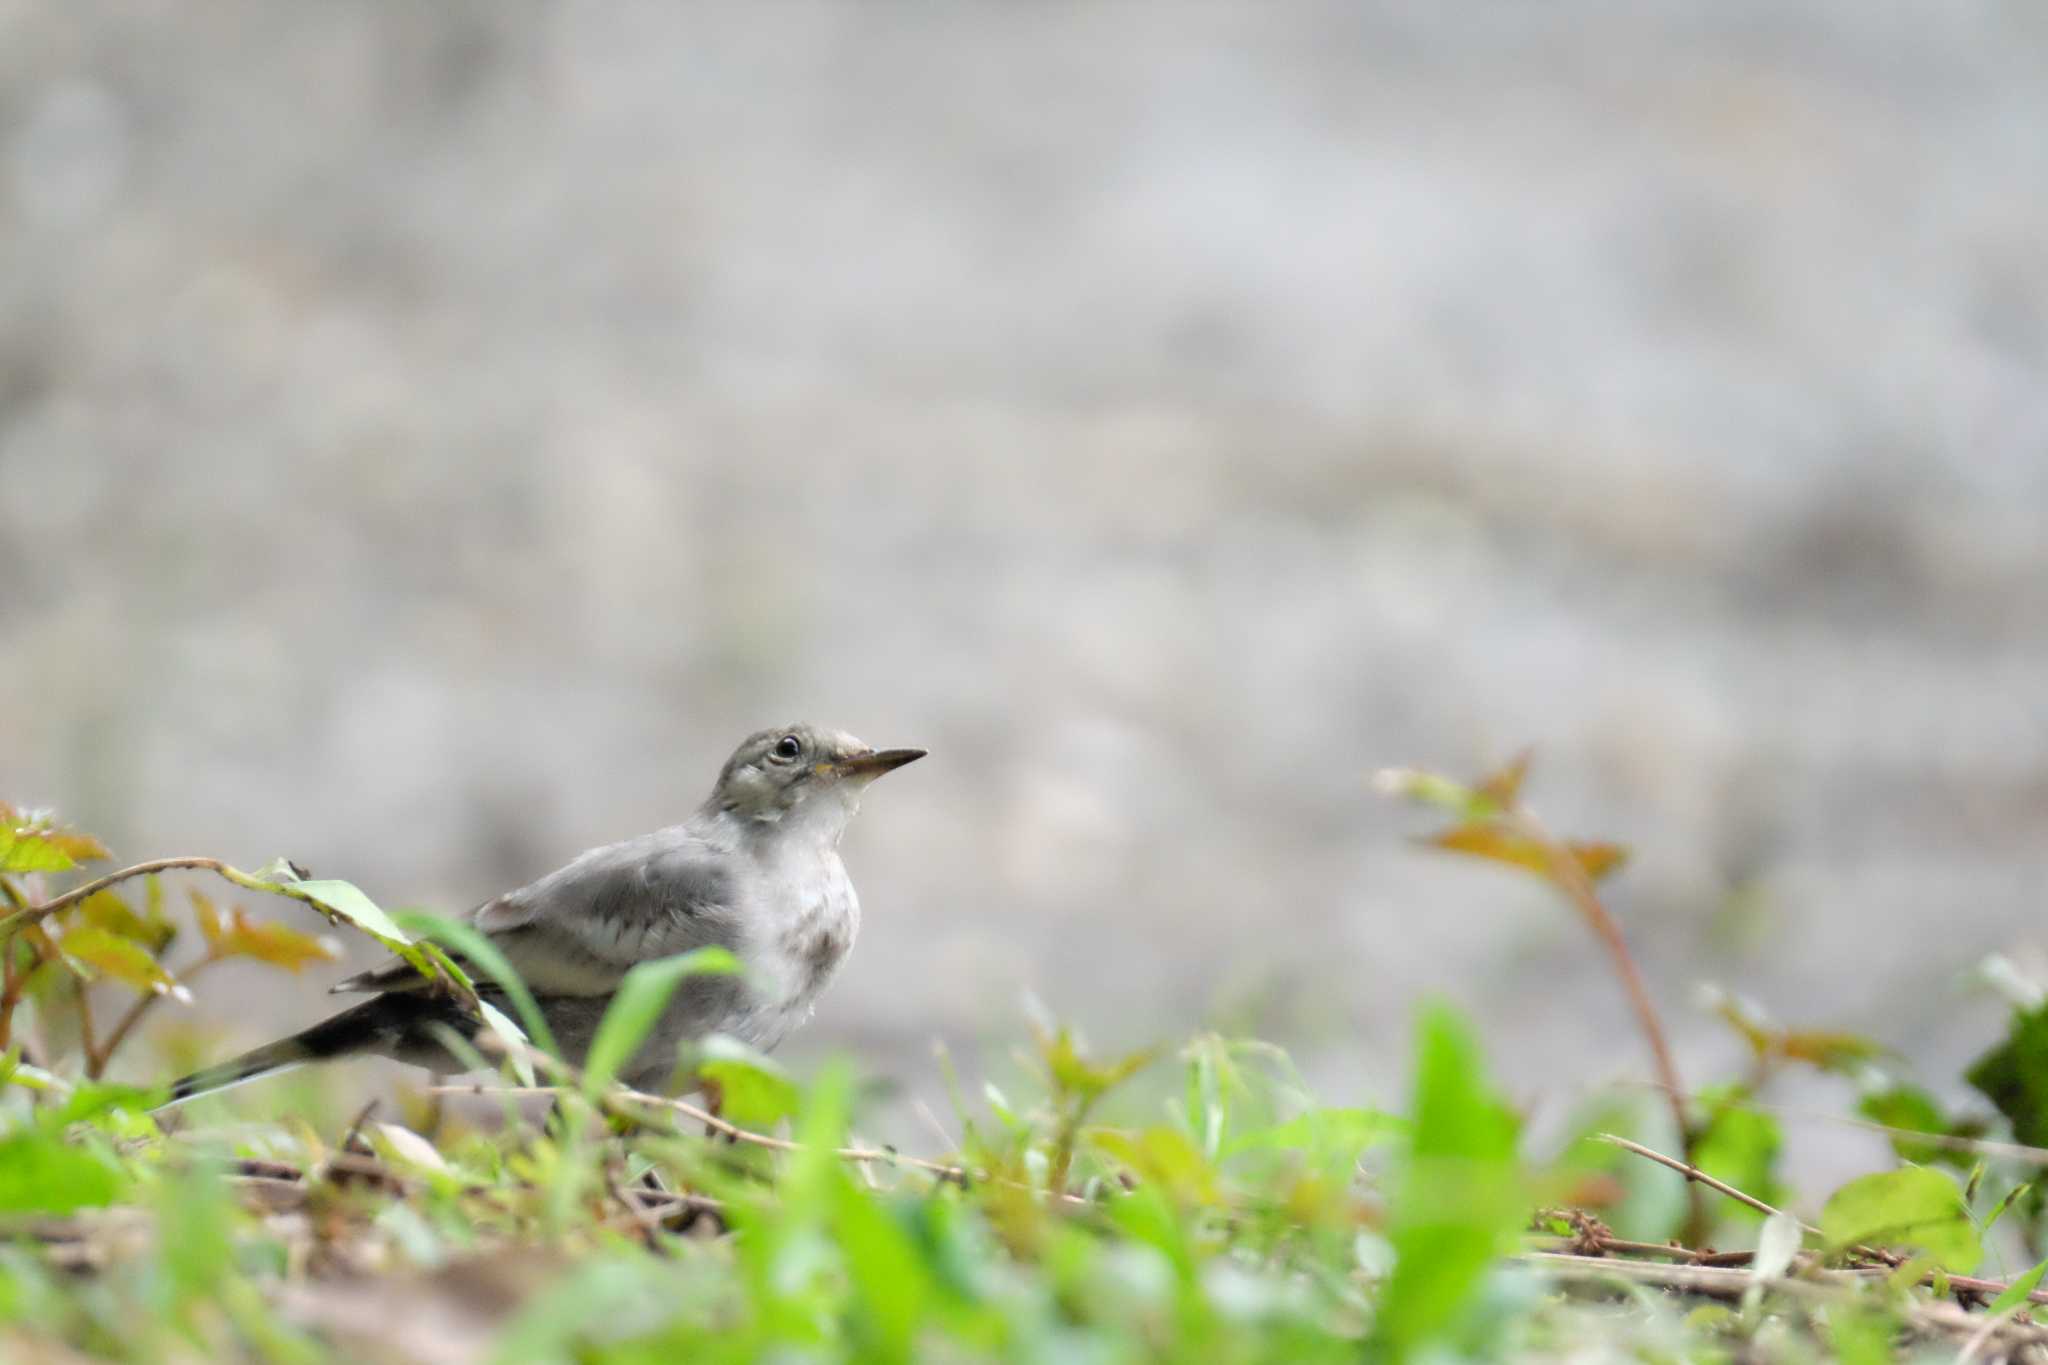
(578, 930)
(784, 906)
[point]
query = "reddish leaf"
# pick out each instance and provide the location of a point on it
(1491, 839)
(230, 932)
(1598, 859)
(1755, 1030)
(1504, 788)
(212, 927)
(123, 959)
(80, 848)
(267, 941)
(1829, 1051)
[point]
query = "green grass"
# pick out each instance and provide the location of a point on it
(1193, 1203)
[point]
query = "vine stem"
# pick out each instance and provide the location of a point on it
(1570, 877)
(30, 914)
(96, 1063)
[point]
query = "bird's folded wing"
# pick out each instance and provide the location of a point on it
(577, 931)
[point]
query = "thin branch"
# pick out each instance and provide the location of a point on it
(86, 1033)
(29, 914)
(881, 1156)
(1577, 885)
(1694, 1173)
(1721, 1282)
(1622, 1246)
(127, 1022)
(450, 977)
(1731, 1282)
(1570, 876)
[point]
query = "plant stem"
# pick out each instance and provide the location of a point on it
(1570, 877)
(94, 1063)
(30, 914)
(125, 1025)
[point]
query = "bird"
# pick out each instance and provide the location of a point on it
(755, 870)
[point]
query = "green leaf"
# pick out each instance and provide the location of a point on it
(1162, 1157)
(343, 902)
(348, 901)
(2005, 1203)
(513, 1038)
(1434, 789)
(28, 843)
(196, 1250)
(39, 1173)
(891, 1282)
(1329, 1139)
(1352, 1129)
(1908, 1107)
(638, 1003)
(120, 1109)
(26, 850)
(2016, 1293)
(1081, 1077)
(1740, 1145)
(2014, 1076)
(477, 949)
(1863, 1335)
(1459, 1201)
(1911, 1207)
(753, 1091)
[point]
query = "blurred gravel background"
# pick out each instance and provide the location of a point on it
(430, 435)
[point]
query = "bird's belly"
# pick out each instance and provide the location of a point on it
(802, 952)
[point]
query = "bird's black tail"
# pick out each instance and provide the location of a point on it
(389, 1025)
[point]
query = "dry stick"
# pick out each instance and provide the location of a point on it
(1966, 1283)
(1670, 1250)
(1982, 1337)
(1570, 876)
(87, 1035)
(1830, 1286)
(1694, 1173)
(959, 1175)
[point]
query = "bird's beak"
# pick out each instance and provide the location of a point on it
(878, 761)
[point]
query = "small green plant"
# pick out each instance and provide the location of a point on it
(1197, 1204)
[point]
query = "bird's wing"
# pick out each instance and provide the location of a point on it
(578, 930)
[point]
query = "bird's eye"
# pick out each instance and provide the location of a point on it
(789, 746)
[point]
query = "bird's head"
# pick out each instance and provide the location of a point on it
(802, 773)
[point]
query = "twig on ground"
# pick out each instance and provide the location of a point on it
(1694, 1173)
(1962, 1284)
(354, 1132)
(1570, 877)
(1817, 1288)
(1820, 1286)
(958, 1175)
